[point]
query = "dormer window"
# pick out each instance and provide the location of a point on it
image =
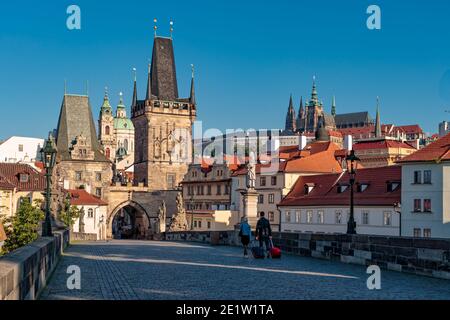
(308, 188)
(392, 185)
(341, 188)
(361, 187)
(23, 177)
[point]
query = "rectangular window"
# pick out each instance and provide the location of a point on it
(271, 216)
(209, 224)
(271, 198)
(195, 224)
(427, 233)
(338, 217)
(365, 217)
(171, 181)
(209, 190)
(427, 177)
(261, 198)
(78, 175)
(298, 216)
(274, 181)
(199, 224)
(320, 218)
(219, 190)
(417, 205)
(262, 181)
(23, 178)
(98, 192)
(20, 147)
(417, 232)
(98, 176)
(427, 205)
(309, 216)
(417, 177)
(227, 189)
(287, 217)
(387, 218)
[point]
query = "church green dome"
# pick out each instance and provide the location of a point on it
(123, 123)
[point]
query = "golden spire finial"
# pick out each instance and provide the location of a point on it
(156, 26)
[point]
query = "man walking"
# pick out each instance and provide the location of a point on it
(264, 233)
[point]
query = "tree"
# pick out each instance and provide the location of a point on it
(69, 214)
(22, 228)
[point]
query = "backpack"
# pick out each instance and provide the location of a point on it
(263, 227)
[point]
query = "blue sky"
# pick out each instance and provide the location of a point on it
(249, 56)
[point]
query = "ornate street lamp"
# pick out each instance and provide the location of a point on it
(352, 165)
(48, 153)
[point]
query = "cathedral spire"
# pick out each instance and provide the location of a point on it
(301, 114)
(377, 121)
(192, 96)
(322, 133)
(314, 98)
(149, 82)
(106, 104)
(333, 106)
(134, 102)
(290, 117)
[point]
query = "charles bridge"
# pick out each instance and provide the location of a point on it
(209, 265)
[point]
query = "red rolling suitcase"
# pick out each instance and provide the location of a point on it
(275, 252)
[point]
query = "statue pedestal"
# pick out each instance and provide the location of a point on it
(250, 206)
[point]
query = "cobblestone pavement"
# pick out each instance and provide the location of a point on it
(187, 271)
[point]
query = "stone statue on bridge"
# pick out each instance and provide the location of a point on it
(179, 221)
(162, 215)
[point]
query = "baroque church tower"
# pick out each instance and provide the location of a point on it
(163, 123)
(106, 128)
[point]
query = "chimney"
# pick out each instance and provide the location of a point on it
(302, 142)
(348, 142)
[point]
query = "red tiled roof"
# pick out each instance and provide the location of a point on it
(325, 191)
(408, 129)
(12, 171)
(438, 150)
(381, 144)
(5, 184)
(82, 197)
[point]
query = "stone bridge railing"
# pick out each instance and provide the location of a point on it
(427, 257)
(25, 271)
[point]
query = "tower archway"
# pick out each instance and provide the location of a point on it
(128, 220)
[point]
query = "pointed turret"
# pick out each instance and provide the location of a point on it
(300, 116)
(333, 106)
(106, 106)
(149, 83)
(377, 121)
(314, 98)
(134, 101)
(192, 96)
(290, 117)
(121, 109)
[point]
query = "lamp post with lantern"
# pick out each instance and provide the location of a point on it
(48, 153)
(352, 165)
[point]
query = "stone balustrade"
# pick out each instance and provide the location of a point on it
(427, 257)
(25, 272)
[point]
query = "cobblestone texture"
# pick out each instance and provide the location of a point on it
(123, 270)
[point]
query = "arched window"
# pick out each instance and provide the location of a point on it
(90, 213)
(108, 153)
(125, 144)
(107, 130)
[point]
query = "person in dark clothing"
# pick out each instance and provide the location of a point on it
(264, 233)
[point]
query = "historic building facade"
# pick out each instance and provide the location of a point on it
(80, 159)
(163, 123)
(116, 134)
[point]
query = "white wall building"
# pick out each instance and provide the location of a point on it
(21, 149)
(426, 191)
(320, 203)
(94, 214)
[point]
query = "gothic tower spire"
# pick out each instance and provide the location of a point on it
(333, 106)
(314, 97)
(149, 83)
(192, 96)
(290, 117)
(301, 114)
(134, 102)
(377, 121)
